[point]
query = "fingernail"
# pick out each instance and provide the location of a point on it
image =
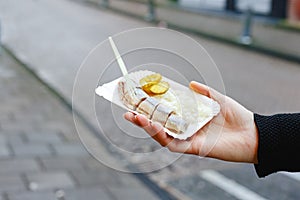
(193, 83)
(128, 115)
(125, 115)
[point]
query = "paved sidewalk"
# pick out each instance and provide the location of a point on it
(41, 157)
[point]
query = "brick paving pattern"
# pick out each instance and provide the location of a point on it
(41, 156)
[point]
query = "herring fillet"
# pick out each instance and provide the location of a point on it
(176, 124)
(161, 114)
(136, 99)
(131, 97)
(147, 107)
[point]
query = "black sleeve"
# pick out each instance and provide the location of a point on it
(279, 143)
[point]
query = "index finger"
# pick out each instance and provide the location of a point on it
(156, 131)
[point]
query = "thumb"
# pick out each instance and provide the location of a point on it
(207, 91)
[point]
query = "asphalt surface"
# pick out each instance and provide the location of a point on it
(35, 31)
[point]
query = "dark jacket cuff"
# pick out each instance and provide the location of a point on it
(278, 144)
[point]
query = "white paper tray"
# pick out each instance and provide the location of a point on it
(109, 91)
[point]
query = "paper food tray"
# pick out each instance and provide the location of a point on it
(209, 107)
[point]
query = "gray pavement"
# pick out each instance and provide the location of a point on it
(41, 156)
(53, 37)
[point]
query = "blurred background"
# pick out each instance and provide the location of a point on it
(255, 44)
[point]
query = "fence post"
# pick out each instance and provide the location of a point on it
(279, 8)
(105, 3)
(246, 37)
(230, 5)
(151, 11)
(0, 39)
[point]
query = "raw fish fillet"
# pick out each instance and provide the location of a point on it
(135, 98)
(161, 114)
(147, 107)
(176, 124)
(131, 96)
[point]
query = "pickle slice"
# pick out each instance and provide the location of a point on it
(160, 88)
(147, 87)
(150, 80)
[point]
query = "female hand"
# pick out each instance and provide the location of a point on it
(230, 136)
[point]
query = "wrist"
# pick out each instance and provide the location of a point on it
(254, 133)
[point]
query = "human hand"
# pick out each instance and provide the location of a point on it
(230, 136)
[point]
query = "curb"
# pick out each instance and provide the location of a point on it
(236, 43)
(253, 48)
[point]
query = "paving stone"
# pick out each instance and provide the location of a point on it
(11, 137)
(96, 177)
(32, 196)
(117, 177)
(94, 164)
(11, 183)
(49, 180)
(18, 165)
(31, 149)
(60, 126)
(2, 140)
(63, 163)
(71, 136)
(43, 138)
(130, 188)
(128, 180)
(18, 129)
(4, 151)
(75, 149)
(88, 194)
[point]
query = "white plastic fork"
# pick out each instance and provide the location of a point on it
(118, 57)
(130, 84)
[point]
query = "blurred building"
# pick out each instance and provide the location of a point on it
(272, 8)
(294, 11)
